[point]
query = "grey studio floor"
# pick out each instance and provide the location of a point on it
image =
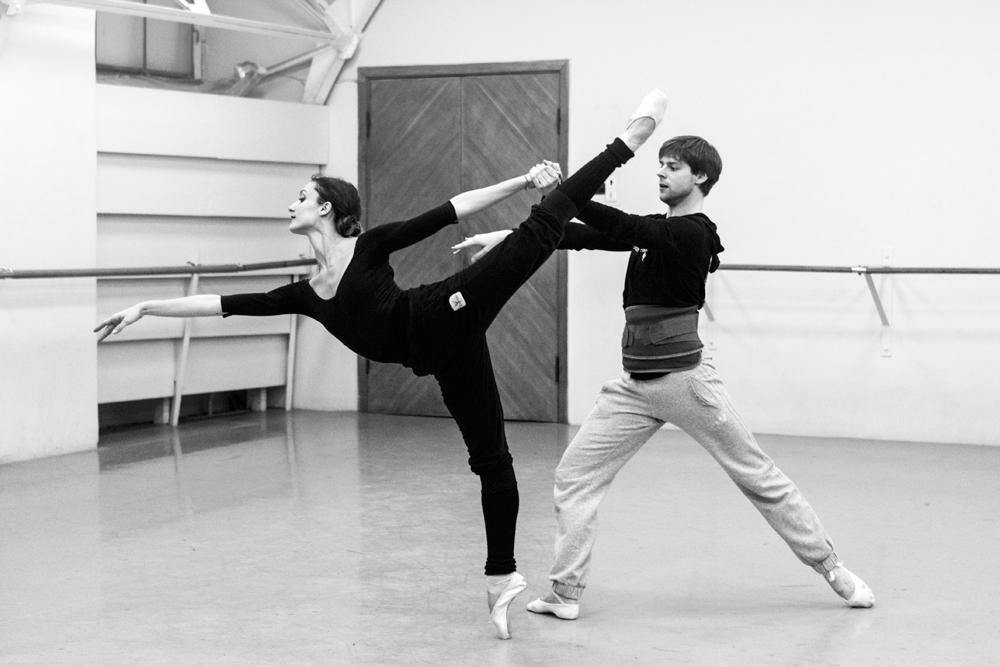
(311, 538)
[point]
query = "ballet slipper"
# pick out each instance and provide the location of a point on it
(862, 597)
(568, 611)
(499, 595)
(645, 119)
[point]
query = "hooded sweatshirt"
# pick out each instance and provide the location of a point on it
(671, 257)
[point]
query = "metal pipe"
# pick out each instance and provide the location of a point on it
(191, 269)
(861, 269)
(181, 360)
(239, 268)
(291, 63)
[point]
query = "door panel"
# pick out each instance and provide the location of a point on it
(413, 164)
(428, 139)
(515, 126)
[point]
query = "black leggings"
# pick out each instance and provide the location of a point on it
(467, 382)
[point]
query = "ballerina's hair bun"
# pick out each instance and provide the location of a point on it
(343, 196)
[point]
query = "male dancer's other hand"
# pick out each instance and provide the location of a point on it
(484, 242)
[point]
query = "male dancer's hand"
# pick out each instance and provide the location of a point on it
(484, 242)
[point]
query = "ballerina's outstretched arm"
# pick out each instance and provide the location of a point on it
(543, 176)
(198, 305)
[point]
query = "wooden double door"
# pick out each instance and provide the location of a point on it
(428, 133)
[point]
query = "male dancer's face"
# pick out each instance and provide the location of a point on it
(676, 180)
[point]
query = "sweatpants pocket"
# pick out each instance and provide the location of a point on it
(700, 388)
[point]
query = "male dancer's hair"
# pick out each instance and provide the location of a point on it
(698, 154)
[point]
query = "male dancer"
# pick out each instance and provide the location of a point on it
(666, 380)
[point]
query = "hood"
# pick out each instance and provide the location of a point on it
(716, 242)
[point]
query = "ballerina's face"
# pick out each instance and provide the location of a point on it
(306, 211)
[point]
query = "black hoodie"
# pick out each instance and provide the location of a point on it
(671, 256)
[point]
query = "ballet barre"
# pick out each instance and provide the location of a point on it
(865, 271)
(192, 269)
(188, 269)
(169, 411)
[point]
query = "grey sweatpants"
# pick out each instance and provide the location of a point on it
(627, 414)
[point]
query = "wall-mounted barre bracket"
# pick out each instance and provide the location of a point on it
(866, 274)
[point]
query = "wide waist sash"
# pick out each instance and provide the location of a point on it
(658, 339)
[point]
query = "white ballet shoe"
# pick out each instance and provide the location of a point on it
(499, 598)
(568, 611)
(653, 107)
(862, 597)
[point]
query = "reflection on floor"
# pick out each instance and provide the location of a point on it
(336, 538)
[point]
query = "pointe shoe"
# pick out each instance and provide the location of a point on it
(499, 602)
(862, 597)
(568, 611)
(652, 107)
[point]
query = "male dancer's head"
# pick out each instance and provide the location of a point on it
(689, 167)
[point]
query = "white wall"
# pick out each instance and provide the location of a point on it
(48, 392)
(849, 131)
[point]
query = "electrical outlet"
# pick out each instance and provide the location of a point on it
(610, 191)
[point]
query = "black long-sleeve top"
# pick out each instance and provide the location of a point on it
(671, 256)
(369, 312)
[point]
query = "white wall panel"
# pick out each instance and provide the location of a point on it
(201, 178)
(170, 241)
(235, 363)
(159, 122)
(116, 295)
(135, 370)
(151, 185)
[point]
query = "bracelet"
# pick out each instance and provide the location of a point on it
(527, 182)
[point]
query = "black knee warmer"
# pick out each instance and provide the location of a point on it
(498, 479)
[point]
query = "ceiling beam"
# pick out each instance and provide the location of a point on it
(365, 15)
(199, 6)
(311, 8)
(194, 18)
(326, 67)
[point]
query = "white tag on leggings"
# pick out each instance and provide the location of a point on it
(456, 301)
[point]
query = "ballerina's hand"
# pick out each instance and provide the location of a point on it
(484, 242)
(118, 321)
(554, 165)
(546, 176)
